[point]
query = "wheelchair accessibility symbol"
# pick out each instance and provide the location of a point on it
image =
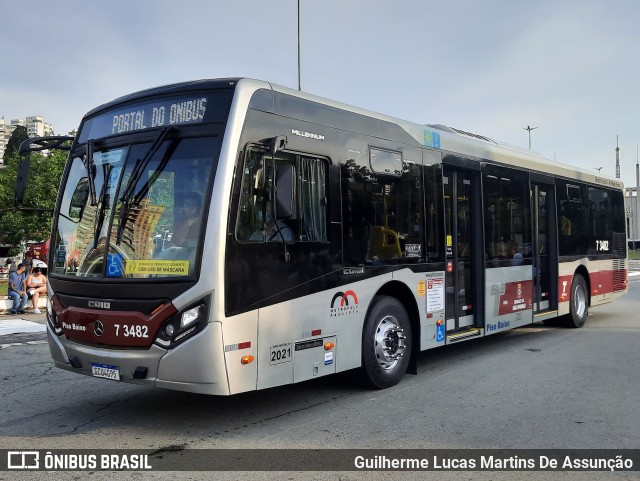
(114, 265)
(440, 333)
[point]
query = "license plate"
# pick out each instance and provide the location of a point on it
(105, 371)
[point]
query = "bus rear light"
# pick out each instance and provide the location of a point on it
(316, 332)
(439, 322)
(246, 359)
(328, 346)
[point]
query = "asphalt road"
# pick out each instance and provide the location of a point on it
(535, 387)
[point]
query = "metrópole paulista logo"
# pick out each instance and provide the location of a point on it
(344, 307)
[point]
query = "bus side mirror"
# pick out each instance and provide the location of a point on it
(21, 180)
(35, 144)
(277, 144)
(79, 199)
(285, 191)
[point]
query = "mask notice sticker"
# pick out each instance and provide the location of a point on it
(156, 267)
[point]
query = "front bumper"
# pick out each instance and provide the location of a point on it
(196, 365)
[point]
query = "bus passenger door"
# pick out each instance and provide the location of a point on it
(545, 249)
(461, 203)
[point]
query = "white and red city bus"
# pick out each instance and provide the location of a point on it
(222, 236)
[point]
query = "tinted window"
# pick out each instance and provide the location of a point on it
(507, 218)
(283, 198)
(385, 162)
(573, 235)
(600, 221)
(383, 215)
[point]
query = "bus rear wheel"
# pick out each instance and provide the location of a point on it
(386, 343)
(579, 302)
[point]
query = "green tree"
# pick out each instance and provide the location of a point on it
(18, 136)
(42, 188)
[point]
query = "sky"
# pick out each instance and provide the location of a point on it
(493, 67)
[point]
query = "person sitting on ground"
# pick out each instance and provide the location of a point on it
(37, 286)
(17, 290)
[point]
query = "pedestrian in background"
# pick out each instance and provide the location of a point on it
(18, 289)
(37, 286)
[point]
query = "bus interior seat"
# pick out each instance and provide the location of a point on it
(384, 243)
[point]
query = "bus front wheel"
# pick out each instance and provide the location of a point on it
(579, 302)
(386, 343)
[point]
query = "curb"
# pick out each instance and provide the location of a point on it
(6, 304)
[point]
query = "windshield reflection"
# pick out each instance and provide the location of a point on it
(141, 234)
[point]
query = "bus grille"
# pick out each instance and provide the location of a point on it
(619, 275)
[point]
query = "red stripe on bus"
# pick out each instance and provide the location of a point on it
(601, 282)
(115, 328)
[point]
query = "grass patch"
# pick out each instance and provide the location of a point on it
(634, 255)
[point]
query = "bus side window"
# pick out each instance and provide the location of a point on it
(573, 232)
(383, 215)
(251, 195)
(312, 199)
(506, 199)
(291, 186)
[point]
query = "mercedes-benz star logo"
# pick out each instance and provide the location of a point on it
(98, 328)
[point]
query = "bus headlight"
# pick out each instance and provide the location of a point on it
(184, 325)
(190, 316)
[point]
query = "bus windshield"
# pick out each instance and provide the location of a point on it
(136, 211)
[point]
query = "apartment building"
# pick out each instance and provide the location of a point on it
(36, 127)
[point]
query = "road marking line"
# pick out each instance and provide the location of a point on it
(31, 343)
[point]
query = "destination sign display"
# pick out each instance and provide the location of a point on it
(167, 113)
(191, 109)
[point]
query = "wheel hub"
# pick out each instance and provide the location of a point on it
(389, 342)
(580, 301)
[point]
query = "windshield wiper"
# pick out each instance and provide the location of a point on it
(156, 173)
(103, 194)
(136, 173)
(90, 178)
(142, 164)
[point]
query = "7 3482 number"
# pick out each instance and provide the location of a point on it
(134, 330)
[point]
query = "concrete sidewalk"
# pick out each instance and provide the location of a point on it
(22, 329)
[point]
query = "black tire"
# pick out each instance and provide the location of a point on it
(387, 326)
(578, 303)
